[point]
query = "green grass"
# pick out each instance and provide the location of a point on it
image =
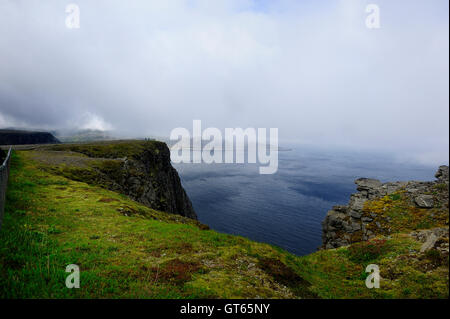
(340, 273)
(111, 149)
(123, 248)
(127, 250)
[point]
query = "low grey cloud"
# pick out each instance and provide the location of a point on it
(311, 68)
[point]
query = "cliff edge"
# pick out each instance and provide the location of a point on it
(140, 170)
(385, 208)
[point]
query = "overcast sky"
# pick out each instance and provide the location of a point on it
(310, 68)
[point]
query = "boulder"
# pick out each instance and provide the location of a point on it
(430, 238)
(429, 243)
(442, 174)
(424, 201)
(367, 184)
(356, 202)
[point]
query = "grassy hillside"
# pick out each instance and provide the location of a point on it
(126, 250)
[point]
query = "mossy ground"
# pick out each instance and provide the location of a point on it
(123, 249)
(110, 149)
(397, 212)
(340, 273)
(127, 250)
(405, 271)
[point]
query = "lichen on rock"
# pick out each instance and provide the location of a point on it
(385, 208)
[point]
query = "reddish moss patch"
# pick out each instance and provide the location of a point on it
(155, 253)
(203, 227)
(184, 248)
(177, 271)
(287, 277)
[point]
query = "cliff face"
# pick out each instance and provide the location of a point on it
(139, 169)
(386, 208)
(151, 180)
(16, 137)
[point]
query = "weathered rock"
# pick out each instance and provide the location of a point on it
(366, 219)
(442, 174)
(424, 201)
(367, 184)
(430, 238)
(357, 202)
(393, 187)
(151, 180)
(356, 214)
(355, 225)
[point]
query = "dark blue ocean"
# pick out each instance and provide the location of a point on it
(286, 209)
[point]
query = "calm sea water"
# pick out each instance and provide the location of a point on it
(285, 209)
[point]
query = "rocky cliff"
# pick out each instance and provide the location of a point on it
(16, 137)
(151, 180)
(395, 207)
(139, 169)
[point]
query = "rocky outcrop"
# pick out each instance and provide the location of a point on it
(436, 238)
(442, 174)
(359, 221)
(16, 137)
(151, 180)
(139, 169)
